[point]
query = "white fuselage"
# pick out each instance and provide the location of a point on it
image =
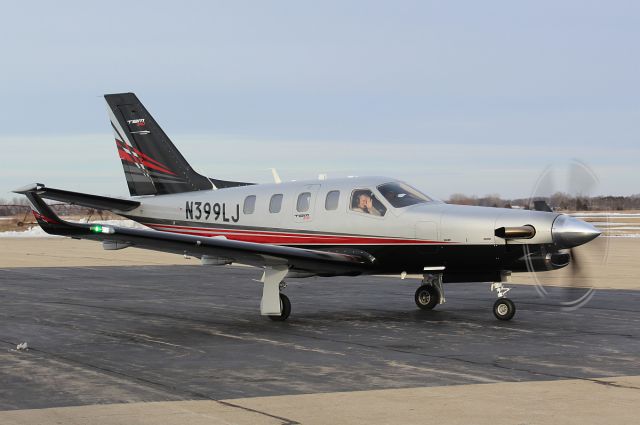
(431, 233)
(223, 213)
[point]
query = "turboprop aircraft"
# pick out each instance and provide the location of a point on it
(330, 227)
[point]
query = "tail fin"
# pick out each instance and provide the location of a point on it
(152, 164)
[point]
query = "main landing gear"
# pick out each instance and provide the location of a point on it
(503, 308)
(275, 304)
(285, 309)
(427, 297)
(431, 292)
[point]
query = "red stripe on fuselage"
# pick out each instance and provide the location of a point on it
(288, 238)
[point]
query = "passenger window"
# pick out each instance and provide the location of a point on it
(275, 204)
(364, 201)
(249, 204)
(303, 202)
(331, 202)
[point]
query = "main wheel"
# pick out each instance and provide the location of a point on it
(504, 309)
(427, 297)
(285, 307)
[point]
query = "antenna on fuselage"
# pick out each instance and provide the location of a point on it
(276, 177)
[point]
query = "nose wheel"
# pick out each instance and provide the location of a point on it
(504, 309)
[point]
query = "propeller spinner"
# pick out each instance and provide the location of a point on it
(568, 232)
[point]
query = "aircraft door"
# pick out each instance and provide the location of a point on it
(429, 254)
(427, 230)
(305, 203)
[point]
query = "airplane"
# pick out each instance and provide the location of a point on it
(326, 227)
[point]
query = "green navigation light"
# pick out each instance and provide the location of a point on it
(99, 228)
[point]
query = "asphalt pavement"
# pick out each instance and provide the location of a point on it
(99, 335)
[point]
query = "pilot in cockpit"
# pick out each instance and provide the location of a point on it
(365, 204)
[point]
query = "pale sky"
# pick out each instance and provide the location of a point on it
(451, 96)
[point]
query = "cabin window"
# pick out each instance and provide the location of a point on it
(331, 201)
(275, 204)
(304, 200)
(249, 204)
(364, 201)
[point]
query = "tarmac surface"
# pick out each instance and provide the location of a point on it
(105, 335)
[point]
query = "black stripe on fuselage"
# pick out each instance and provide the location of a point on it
(459, 260)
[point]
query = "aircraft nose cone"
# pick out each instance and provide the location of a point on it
(568, 232)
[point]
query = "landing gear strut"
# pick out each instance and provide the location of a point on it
(503, 308)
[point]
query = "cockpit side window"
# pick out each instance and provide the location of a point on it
(364, 201)
(402, 195)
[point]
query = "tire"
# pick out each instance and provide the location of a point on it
(427, 297)
(285, 305)
(504, 309)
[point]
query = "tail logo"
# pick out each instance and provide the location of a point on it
(138, 122)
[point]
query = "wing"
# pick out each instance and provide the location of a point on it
(322, 263)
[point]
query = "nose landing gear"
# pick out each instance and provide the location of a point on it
(503, 308)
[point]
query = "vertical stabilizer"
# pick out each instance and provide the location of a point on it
(152, 164)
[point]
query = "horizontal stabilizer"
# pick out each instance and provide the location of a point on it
(77, 198)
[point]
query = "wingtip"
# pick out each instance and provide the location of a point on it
(128, 93)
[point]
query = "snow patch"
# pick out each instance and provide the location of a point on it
(31, 232)
(605, 214)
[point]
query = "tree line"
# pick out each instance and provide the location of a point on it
(20, 206)
(558, 201)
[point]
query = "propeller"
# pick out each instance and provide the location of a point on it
(567, 186)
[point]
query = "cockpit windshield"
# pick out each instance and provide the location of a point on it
(402, 195)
